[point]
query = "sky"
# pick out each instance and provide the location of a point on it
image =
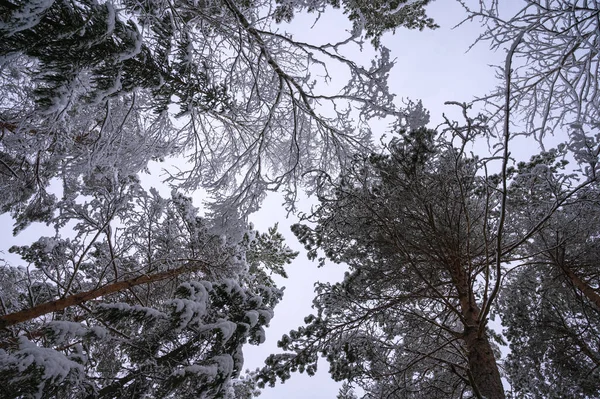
(433, 66)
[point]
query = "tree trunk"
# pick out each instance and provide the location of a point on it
(79, 298)
(581, 285)
(482, 366)
(484, 375)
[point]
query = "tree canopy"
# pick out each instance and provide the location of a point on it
(420, 227)
(143, 300)
(471, 273)
(135, 294)
(87, 85)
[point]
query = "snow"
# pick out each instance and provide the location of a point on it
(252, 316)
(61, 100)
(210, 371)
(148, 312)
(227, 328)
(111, 18)
(27, 17)
(99, 332)
(198, 289)
(224, 363)
(192, 309)
(48, 243)
(260, 335)
(136, 37)
(116, 87)
(64, 329)
(266, 314)
(189, 311)
(238, 357)
(400, 6)
(233, 287)
(56, 366)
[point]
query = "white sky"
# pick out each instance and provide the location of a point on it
(432, 66)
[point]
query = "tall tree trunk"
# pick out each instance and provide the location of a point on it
(483, 368)
(81, 297)
(482, 365)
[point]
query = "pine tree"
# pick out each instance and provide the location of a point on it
(436, 246)
(190, 346)
(346, 392)
(409, 319)
(144, 300)
(550, 305)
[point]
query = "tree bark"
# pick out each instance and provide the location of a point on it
(484, 375)
(581, 285)
(482, 365)
(79, 298)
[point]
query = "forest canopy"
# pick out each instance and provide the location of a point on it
(470, 273)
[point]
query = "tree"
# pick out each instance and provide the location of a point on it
(551, 328)
(550, 304)
(188, 347)
(417, 226)
(346, 392)
(145, 297)
(551, 300)
(143, 300)
(88, 84)
(564, 242)
(433, 241)
(555, 76)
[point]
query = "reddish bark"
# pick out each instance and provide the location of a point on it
(81, 297)
(483, 368)
(482, 365)
(581, 285)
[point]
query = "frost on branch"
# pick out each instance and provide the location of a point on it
(555, 73)
(40, 372)
(371, 18)
(88, 85)
(142, 297)
(170, 350)
(417, 227)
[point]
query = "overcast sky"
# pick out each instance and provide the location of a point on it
(433, 66)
